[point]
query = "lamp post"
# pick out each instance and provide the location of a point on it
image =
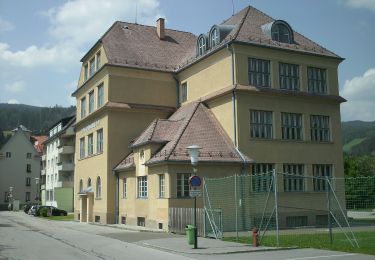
(37, 190)
(193, 151)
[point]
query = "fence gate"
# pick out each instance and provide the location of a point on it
(180, 217)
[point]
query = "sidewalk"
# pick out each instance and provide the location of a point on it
(206, 246)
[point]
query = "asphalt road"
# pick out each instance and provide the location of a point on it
(27, 237)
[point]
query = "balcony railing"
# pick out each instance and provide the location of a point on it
(65, 167)
(66, 149)
(43, 172)
(44, 157)
(64, 184)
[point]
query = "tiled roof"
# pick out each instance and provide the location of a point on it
(127, 163)
(192, 124)
(138, 46)
(39, 142)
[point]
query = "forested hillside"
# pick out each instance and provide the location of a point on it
(359, 137)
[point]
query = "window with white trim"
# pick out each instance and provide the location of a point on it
(161, 185)
(91, 101)
(90, 144)
(289, 76)
(214, 38)
(320, 130)
(100, 95)
(317, 80)
(291, 126)
(98, 187)
(124, 188)
(99, 141)
(259, 73)
(92, 66)
(183, 92)
(321, 172)
(261, 124)
(293, 177)
(85, 72)
(83, 107)
(98, 61)
(82, 148)
(183, 185)
(142, 187)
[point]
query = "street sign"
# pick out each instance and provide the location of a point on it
(195, 181)
(195, 193)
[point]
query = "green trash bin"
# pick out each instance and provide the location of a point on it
(190, 230)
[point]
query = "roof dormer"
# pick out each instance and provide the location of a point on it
(279, 31)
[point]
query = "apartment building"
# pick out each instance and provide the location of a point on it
(19, 167)
(252, 83)
(58, 165)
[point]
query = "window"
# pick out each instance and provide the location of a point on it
(259, 73)
(183, 94)
(293, 177)
(27, 196)
(183, 185)
(317, 82)
(98, 188)
(296, 221)
(81, 185)
(97, 219)
(282, 33)
(99, 141)
(28, 155)
(261, 124)
(86, 72)
(141, 221)
(123, 220)
(6, 196)
(262, 177)
(90, 144)
(82, 148)
(142, 187)
(289, 76)
(83, 107)
(92, 66)
(91, 102)
(89, 182)
(98, 61)
(320, 173)
(28, 167)
(161, 186)
(8, 154)
(214, 37)
(100, 95)
(291, 126)
(320, 128)
(28, 181)
(202, 45)
(124, 188)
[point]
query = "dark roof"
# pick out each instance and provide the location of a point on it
(192, 124)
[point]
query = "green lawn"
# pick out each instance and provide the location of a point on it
(70, 217)
(366, 241)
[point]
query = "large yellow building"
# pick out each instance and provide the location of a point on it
(249, 88)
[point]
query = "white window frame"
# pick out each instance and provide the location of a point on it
(91, 101)
(259, 72)
(124, 187)
(161, 185)
(100, 101)
(261, 124)
(289, 76)
(182, 185)
(291, 126)
(83, 107)
(142, 187)
(183, 92)
(98, 187)
(92, 67)
(99, 141)
(90, 144)
(82, 151)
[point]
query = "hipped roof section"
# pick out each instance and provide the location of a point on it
(192, 124)
(138, 46)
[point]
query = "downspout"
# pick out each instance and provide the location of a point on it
(116, 197)
(178, 89)
(234, 100)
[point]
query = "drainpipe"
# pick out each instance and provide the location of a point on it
(178, 89)
(116, 197)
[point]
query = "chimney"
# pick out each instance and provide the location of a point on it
(160, 29)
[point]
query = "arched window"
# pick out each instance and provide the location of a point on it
(89, 183)
(81, 185)
(281, 32)
(202, 44)
(98, 188)
(214, 37)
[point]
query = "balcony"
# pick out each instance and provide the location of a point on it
(64, 184)
(69, 132)
(43, 172)
(44, 157)
(65, 167)
(66, 149)
(43, 187)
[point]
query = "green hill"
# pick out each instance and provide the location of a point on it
(359, 137)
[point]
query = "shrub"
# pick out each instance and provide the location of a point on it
(44, 212)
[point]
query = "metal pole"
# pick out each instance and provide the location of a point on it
(195, 224)
(235, 199)
(329, 210)
(276, 207)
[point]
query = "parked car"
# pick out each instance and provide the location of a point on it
(27, 207)
(38, 210)
(33, 209)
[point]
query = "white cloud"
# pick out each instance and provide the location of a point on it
(75, 27)
(360, 93)
(366, 4)
(15, 87)
(13, 101)
(5, 25)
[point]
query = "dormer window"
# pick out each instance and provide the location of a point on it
(202, 44)
(214, 37)
(279, 31)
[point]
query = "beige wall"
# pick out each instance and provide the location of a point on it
(209, 75)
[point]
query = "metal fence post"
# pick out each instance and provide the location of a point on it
(329, 209)
(236, 202)
(276, 206)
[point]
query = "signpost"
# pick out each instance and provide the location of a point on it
(195, 183)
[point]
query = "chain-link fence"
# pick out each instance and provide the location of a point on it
(290, 208)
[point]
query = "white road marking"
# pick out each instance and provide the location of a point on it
(322, 256)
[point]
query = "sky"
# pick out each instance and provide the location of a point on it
(42, 41)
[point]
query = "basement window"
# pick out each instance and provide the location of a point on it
(141, 222)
